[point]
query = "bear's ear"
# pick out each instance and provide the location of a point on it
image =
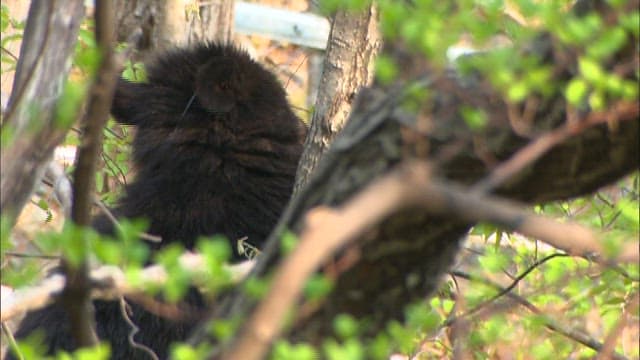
(128, 100)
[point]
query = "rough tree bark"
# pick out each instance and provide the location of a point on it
(402, 258)
(348, 66)
(49, 39)
(213, 21)
(137, 16)
(163, 24)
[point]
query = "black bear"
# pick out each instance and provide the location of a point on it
(216, 151)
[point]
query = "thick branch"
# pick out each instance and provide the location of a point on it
(408, 187)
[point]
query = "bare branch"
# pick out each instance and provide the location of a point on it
(504, 291)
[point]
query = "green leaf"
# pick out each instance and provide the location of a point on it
(350, 349)
(216, 249)
(188, 352)
(345, 326)
(386, 69)
(607, 44)
(402, 337)
(69, 103)
(108, 252)
(10, 38)
(224, 329)
(288, 242)
(629, 211)
(178, 279)
(493, 260)
(630, 90)
(380, 348)
(4, 18)
(475, 119)
(283, 350)
(328, 7)
(591, 70)
(518, 91)
(597, 101)
(5, 233)
(100, 352)
(256, 288)
(317, 287)
(421, 317)
(25, 274)
(543, 350)
(630, 22)
(576, 91)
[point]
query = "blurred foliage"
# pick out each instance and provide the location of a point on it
(11, 30)
(581, 294)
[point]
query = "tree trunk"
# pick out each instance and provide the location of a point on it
(348, 66)
(164, 24)
(137, 16)
(213, 22)
(49, 39)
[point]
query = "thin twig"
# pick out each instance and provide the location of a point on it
(124, 310)
(504, 291)
(8, 52)
(35, 256)
(105, 210)
(549, 322)
(13, 346)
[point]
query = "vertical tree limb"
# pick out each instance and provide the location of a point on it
(76, 296)
(354, 42)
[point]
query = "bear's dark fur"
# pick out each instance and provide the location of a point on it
(216, 151)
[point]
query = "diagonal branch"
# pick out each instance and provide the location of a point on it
(409, 186)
